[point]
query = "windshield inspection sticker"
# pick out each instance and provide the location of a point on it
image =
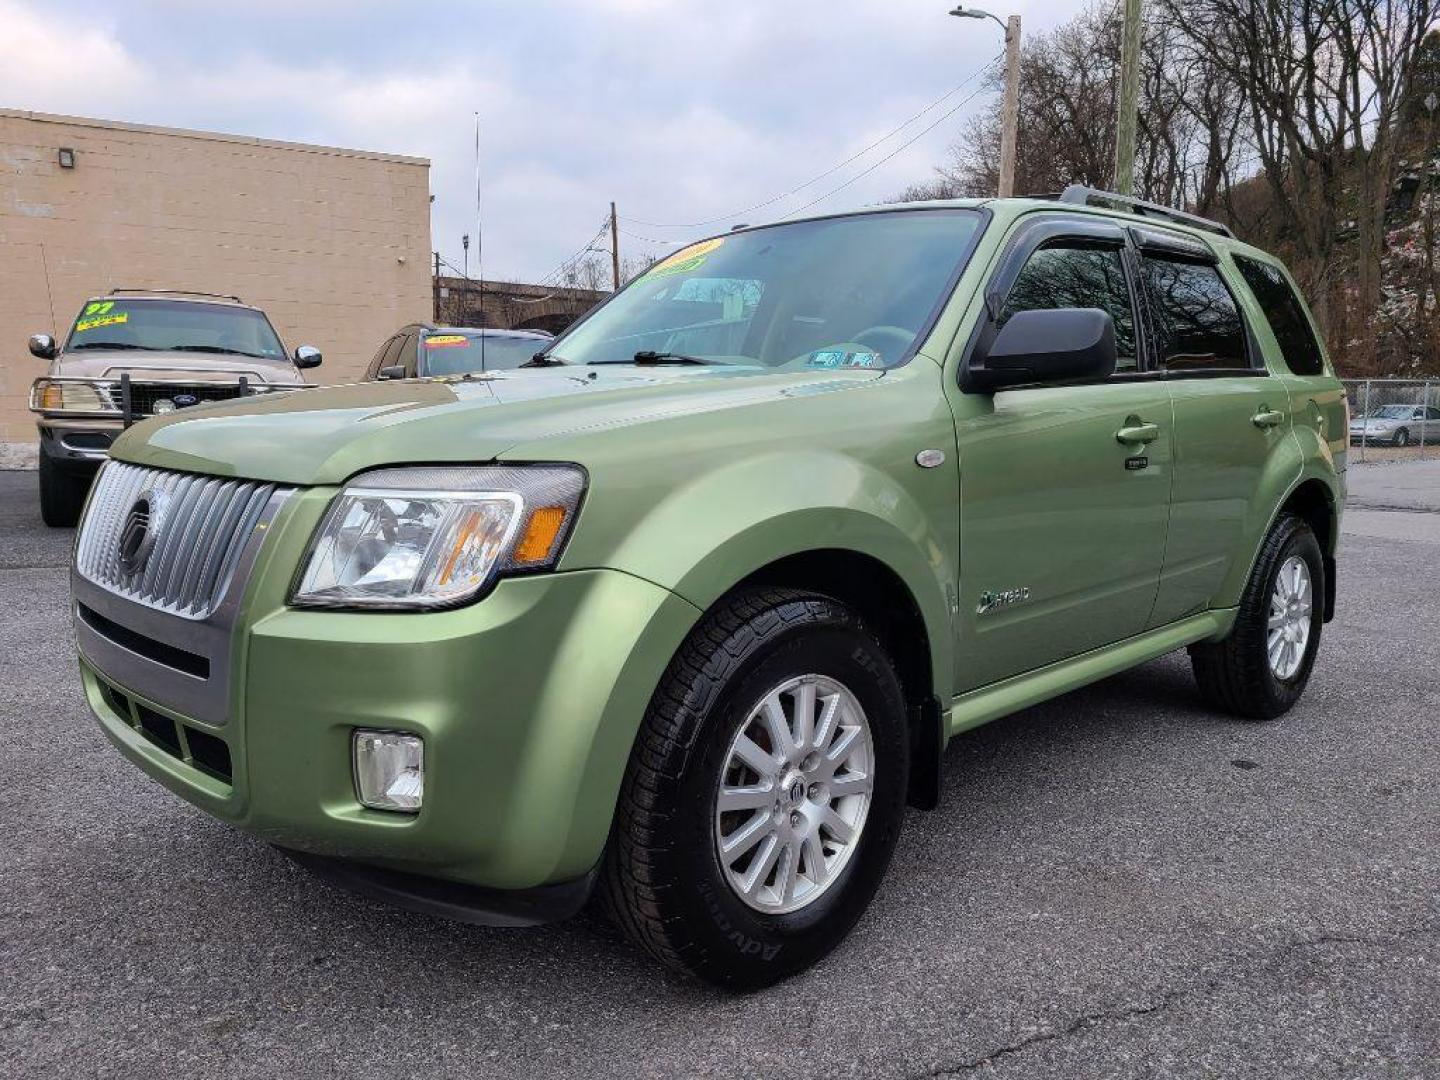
(442, 341)
(686, 259)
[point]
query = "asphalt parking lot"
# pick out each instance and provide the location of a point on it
(1116, 884)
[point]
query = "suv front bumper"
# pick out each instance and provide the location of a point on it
(528, 702)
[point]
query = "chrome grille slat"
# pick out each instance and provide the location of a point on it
(200, 534)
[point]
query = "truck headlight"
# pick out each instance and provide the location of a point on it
(424, 538)
(81, 396)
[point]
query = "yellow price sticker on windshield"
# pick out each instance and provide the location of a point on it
(440, 341)
(81, 325)
(686, 259)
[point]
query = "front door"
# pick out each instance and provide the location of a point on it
(1064, 490)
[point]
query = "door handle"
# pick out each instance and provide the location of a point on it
(1135, 431)
(1267, 418)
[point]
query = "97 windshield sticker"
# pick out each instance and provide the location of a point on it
(443, 341)
(686, 259)
(840, 358)
(100, 313)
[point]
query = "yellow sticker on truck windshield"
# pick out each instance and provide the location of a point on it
(440, 341)
(100, 314)
(686, 259)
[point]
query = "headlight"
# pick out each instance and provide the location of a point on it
(73, 396)
(436, 537)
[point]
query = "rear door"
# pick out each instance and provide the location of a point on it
(1062, 518)
(1231, 415)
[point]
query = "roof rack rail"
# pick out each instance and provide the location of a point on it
(179, 292)
(1081, 195)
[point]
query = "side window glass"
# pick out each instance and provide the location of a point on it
(1285, 314)
(1197, 325)
(1078, 277)
(378, 360)
(406, 356)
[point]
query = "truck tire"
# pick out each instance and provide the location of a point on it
(784, 705)
(1260, 670)
(62, 496)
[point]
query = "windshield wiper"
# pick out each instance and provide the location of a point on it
(545, 359)
(218, 349)
(650, 356)
(105, 345)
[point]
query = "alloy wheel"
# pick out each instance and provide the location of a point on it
(794, 792)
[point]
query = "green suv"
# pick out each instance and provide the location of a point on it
(681, 616)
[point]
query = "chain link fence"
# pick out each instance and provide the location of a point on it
(1393, 419)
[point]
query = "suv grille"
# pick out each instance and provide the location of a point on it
(168, 540)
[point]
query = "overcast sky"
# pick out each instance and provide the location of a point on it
(680, 110)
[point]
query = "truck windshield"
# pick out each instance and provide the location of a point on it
(843, 292)
(163, 325)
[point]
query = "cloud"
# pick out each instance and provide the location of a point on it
(680, 110)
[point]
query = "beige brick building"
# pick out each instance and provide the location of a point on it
(333, 244)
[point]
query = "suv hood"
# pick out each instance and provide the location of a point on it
(325, 436)
(170, 365)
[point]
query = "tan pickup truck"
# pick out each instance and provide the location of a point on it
(138, 353)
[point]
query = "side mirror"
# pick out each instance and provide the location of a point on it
(1046, 346)
(307, 356)
(43, 346)
(396, 371)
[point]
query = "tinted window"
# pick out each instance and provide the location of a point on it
(1078, 277)
(841, 292)
(1285, 314)
(1197, 325)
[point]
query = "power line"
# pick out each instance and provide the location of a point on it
(585, 250)
(909, 142)
(836, 168)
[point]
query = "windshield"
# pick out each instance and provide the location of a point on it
(1393, 412)
(846, 292)
(454, 353)
(162, 325)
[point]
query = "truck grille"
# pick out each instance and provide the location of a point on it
(143, 396)
(167, 540)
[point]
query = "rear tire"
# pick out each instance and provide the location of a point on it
(62, 496)
(1253, 673)
(666, 882)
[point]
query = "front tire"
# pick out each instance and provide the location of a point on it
(1402, 438)
(62, 496)
(765, 793)
(1260, 670)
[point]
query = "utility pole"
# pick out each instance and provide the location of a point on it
(1010, 120)
(614, 250)
(1010, 110)
(435, 305)
(1129, 99)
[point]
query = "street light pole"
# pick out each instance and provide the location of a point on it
(1010, 109)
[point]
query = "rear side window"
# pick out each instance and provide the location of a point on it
(1285, 314)
(1197, 325)
(1078, 277)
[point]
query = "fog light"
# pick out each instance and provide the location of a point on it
(389, 770)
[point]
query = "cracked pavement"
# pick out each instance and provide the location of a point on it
(1117, 884)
